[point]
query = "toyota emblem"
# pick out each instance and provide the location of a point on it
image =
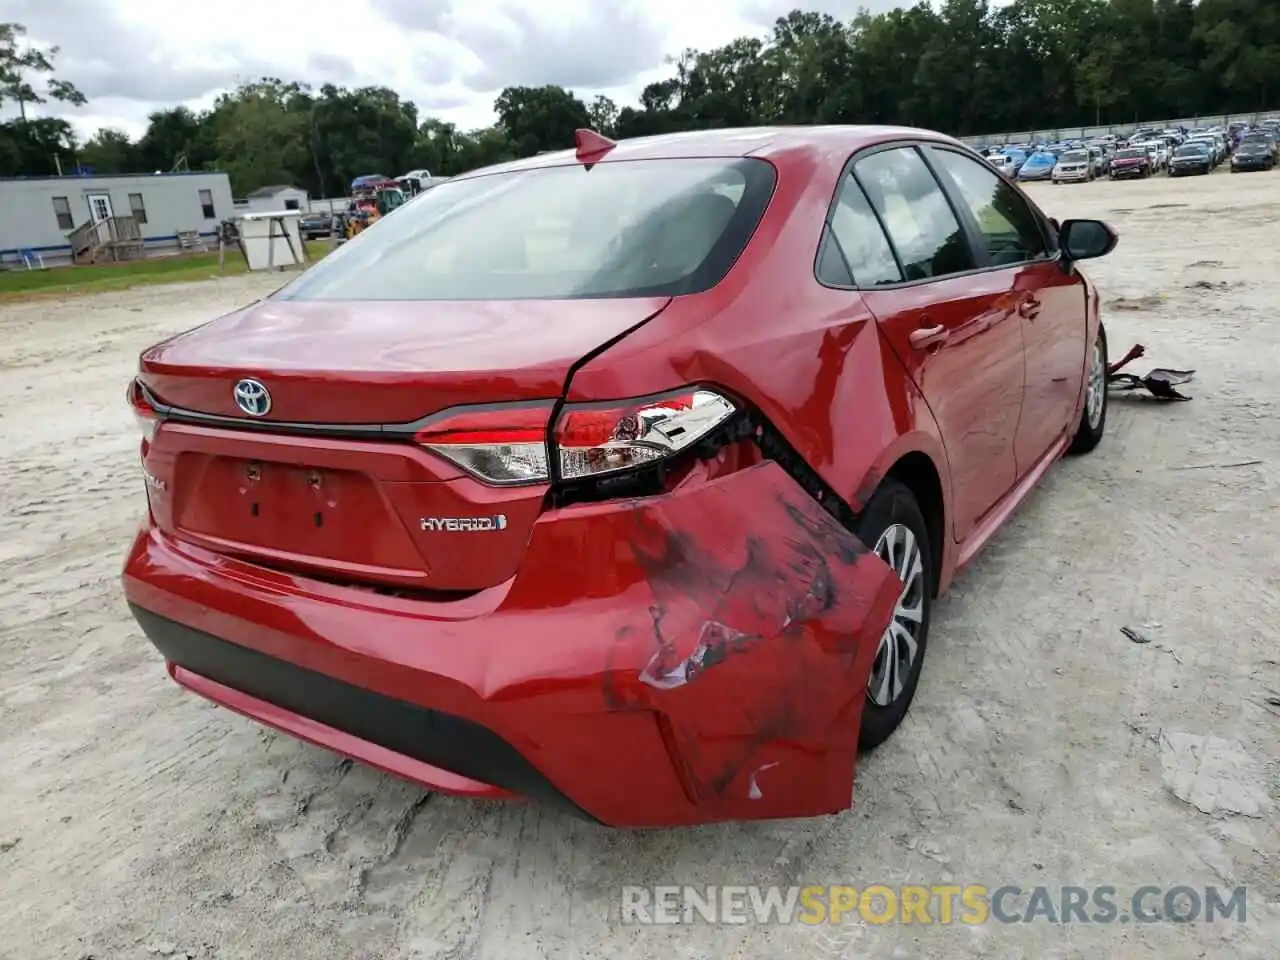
(252, 397)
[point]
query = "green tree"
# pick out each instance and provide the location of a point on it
(36, 147)
(540, 118)
(174, 137)
(109, 151)
(962, 66)
(21, 62)
(603, 113)
(258, 140)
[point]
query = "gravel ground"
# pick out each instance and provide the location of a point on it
(1044, 748)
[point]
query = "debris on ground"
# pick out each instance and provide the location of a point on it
(1136, 303)
(1213, 775)
(1134, 635)
(1218, 466)
(1159, 382)
(1137, 636)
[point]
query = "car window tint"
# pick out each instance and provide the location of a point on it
(861, 239)
(1009, 228)
(921, 225)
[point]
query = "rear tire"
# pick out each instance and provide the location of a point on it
(1093, 418)
(893, 526)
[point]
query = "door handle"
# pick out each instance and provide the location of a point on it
(1029, 308)
(927, 337)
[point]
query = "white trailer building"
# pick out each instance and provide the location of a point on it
(86, 219)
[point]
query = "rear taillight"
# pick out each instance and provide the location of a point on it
(143, 412)
(509, 445)
(501, 445)
(595, 439)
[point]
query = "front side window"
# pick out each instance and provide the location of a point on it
(1009, 229)
(921, 225)
(628, 228)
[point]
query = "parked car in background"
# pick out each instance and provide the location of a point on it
(1193, 157)
(1131, 163)
(1254, 153)
(1158, 151)
(1099, 160)
(1074, 165)
(1216, 144)
(312, 226)
(648, 526)
(1039, 166)
(1019, 157)
(1266, 136)
(1004, 163)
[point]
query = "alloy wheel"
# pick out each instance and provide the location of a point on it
(1095, 398)
(899, 645)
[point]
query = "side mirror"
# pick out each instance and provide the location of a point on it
(1086, 239)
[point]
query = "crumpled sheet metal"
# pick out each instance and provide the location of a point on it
(765, 618)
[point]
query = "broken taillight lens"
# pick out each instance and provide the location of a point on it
(500, 445)
(146, 416)
(508, 445)
(596, 439)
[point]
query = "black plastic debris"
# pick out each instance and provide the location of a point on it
(1160, 382)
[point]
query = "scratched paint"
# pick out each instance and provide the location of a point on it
(760, 637)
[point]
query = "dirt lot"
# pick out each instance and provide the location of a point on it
(1044, 747)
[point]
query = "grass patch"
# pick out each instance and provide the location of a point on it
(105, 277)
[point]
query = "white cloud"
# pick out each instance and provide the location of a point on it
(451, 58)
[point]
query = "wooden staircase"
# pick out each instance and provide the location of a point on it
(107, 241)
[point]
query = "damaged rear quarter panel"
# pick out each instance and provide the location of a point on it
(751, 646)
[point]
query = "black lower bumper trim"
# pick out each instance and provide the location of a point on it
(439, 739)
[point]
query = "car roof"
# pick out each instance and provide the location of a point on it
(765, 142)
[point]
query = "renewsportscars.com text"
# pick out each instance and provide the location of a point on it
(972, 904)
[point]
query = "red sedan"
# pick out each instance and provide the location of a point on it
(623, 477)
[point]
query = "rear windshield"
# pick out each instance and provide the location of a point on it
(623, 229)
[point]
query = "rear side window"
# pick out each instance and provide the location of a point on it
(921, 225)
(1010, 231)
(857, 250)
(621, 229)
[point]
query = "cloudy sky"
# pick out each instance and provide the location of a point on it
(451, 57)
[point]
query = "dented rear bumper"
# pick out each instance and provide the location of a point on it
(681, 659)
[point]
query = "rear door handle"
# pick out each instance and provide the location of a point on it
(1029, 308)
(927, 337)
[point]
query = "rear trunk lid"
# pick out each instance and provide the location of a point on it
(326, 362)
(302, 488)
